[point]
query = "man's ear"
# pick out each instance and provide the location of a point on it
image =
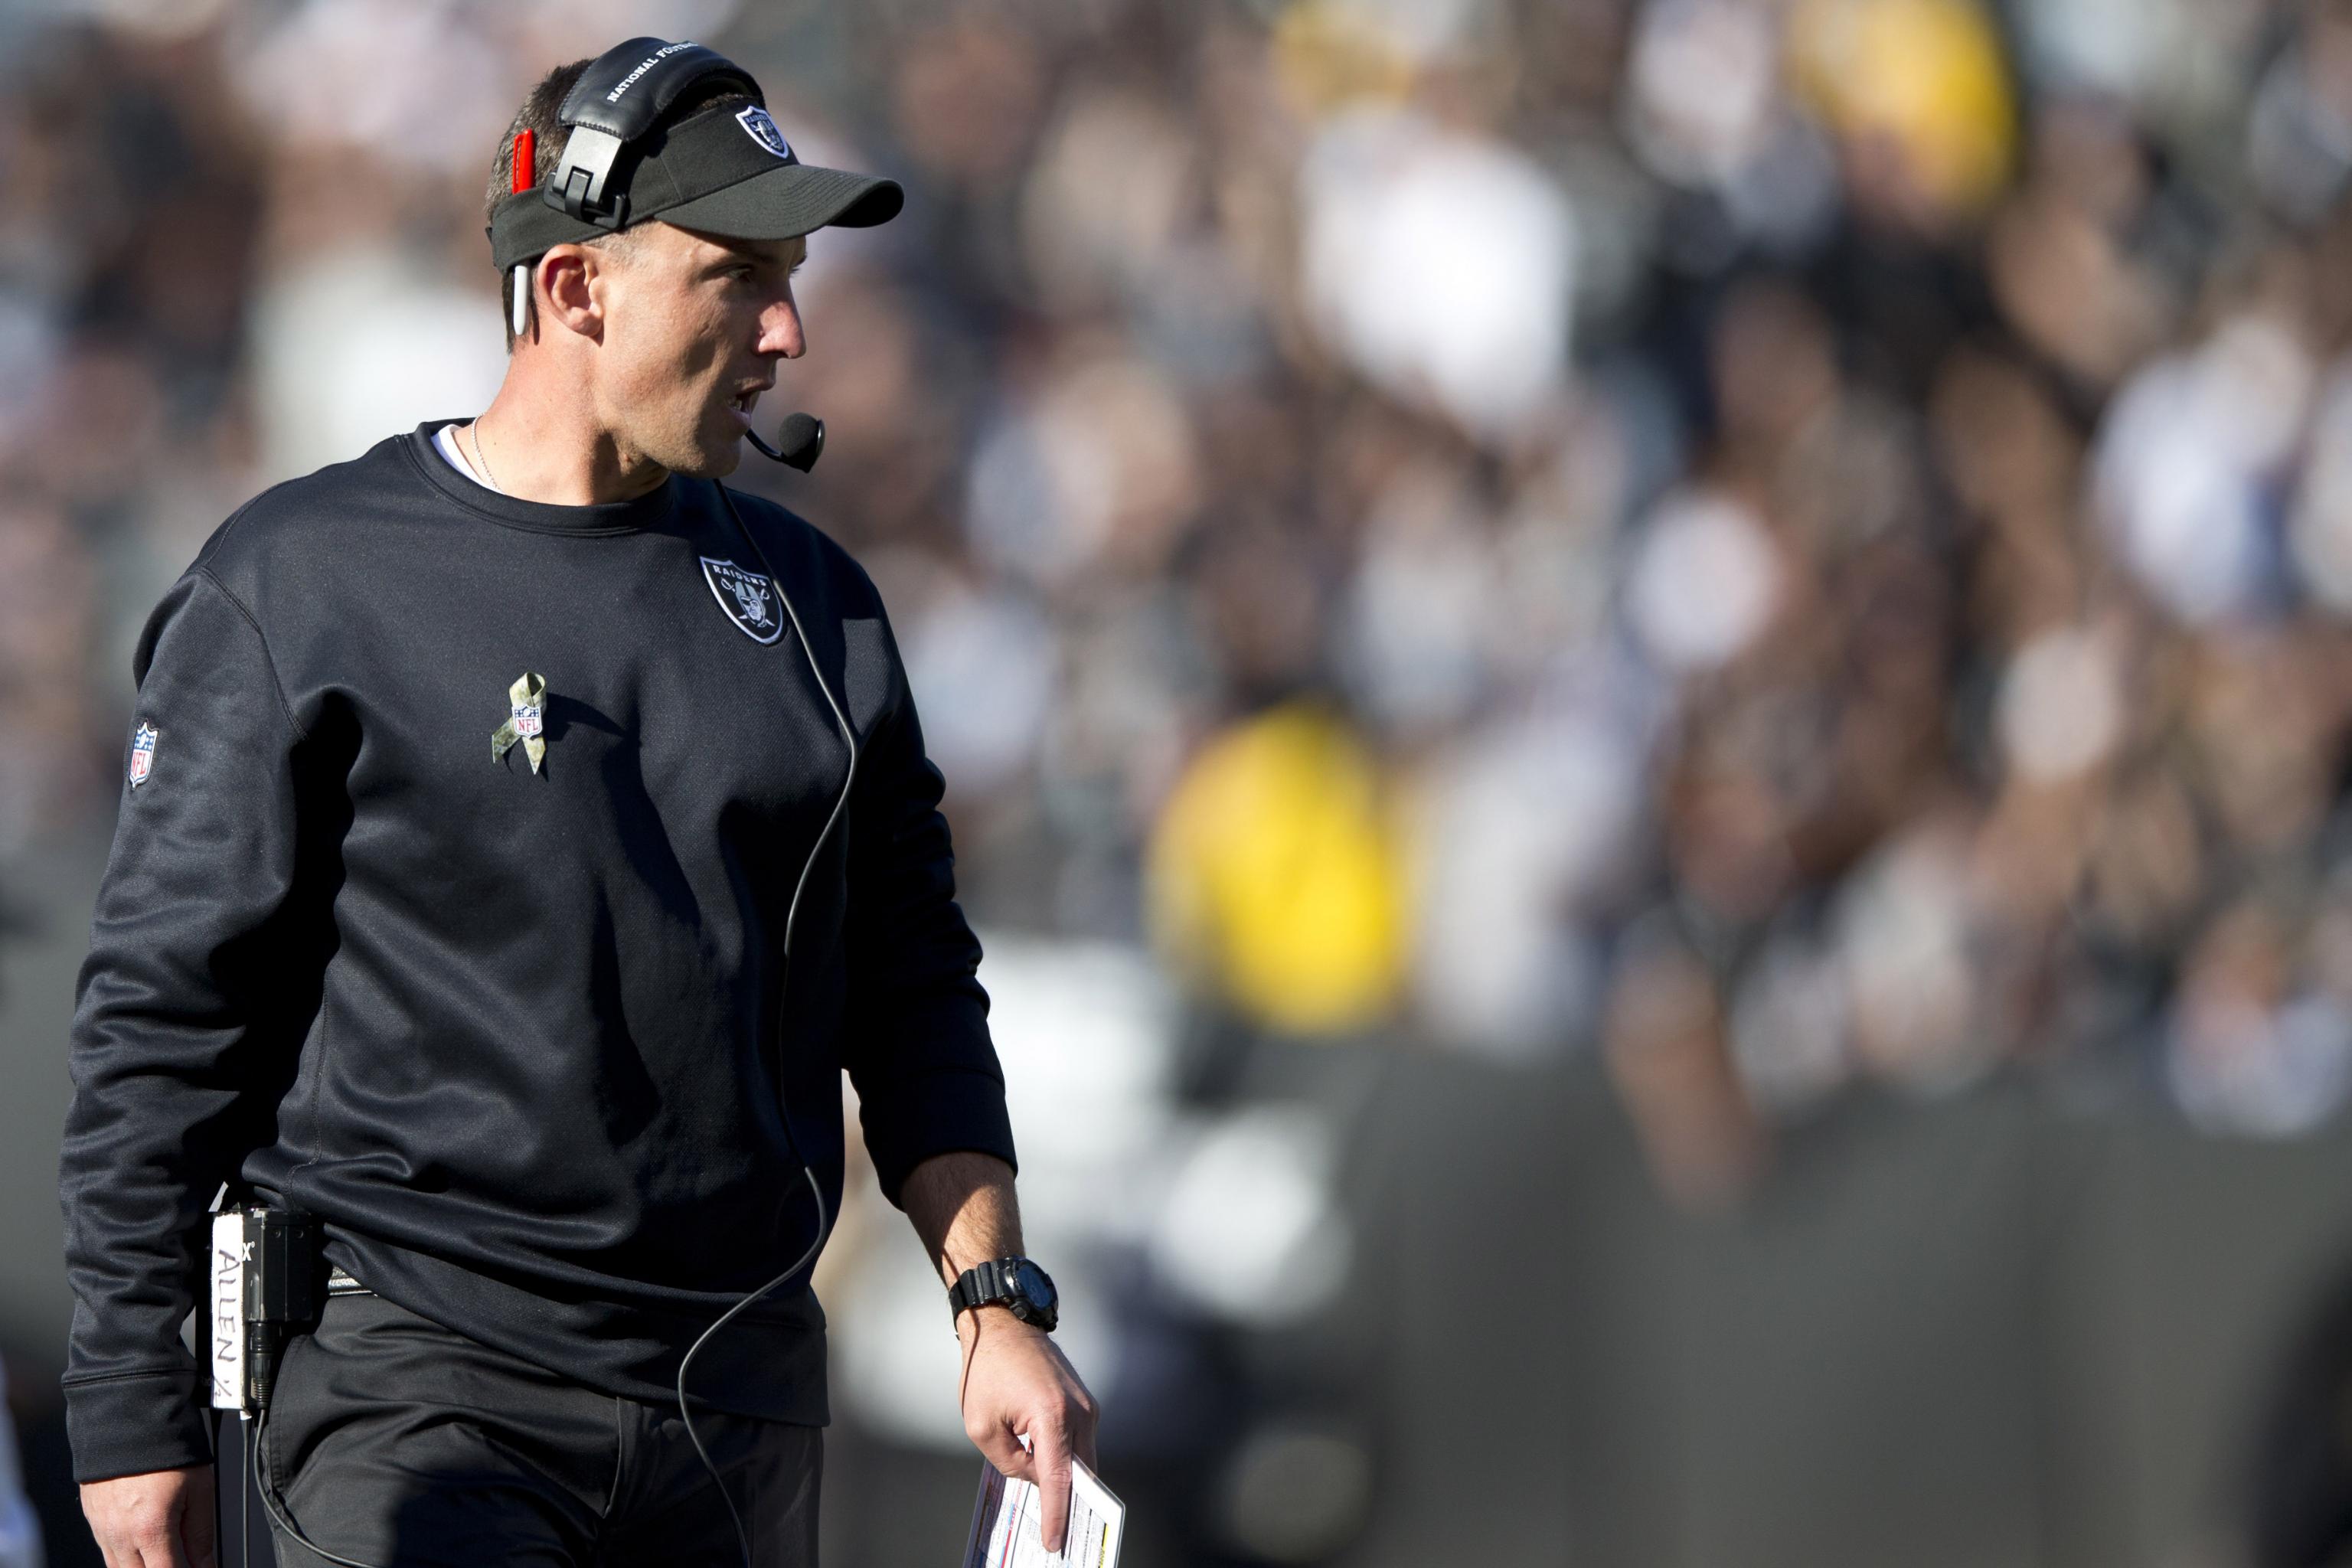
(565, 276)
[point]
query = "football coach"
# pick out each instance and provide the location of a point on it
(521, 832)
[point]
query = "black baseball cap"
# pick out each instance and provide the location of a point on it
(725, 170)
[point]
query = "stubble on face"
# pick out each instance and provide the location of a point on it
(679, 338)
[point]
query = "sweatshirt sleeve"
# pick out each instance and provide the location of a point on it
(182, 972)
(918, 1045)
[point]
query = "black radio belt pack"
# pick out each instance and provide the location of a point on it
(266, 1280)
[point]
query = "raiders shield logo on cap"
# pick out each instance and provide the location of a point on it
(747, 597)
(763, 129)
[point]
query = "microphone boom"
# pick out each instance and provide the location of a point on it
(799, 443)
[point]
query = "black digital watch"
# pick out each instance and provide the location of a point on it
(1013, 1282)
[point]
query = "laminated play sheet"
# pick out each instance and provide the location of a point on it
(1006, 1528)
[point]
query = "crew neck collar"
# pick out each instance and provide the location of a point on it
(539, 517)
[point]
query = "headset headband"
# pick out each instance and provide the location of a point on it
(616, 101)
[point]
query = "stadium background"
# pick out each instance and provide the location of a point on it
(1645, 704)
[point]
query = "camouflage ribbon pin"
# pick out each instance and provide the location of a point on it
(527, 721)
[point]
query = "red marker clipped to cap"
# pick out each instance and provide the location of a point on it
(525, 167)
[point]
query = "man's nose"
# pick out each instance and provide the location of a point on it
(779, 329)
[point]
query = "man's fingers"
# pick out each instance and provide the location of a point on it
(160, 1548)
(998, 1444)
(161, 1519)
(1025, 1382)
(1053, 1477)
(1078, 1409)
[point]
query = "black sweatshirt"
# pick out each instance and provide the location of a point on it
(520, 1038)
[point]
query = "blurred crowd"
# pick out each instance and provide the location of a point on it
(1797, 543)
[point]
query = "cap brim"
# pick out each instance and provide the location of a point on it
(788, 200)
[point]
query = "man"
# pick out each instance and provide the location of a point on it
(479, 790)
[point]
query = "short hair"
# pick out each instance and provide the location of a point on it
(540, 114)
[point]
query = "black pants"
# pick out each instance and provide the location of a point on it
(394, 1442)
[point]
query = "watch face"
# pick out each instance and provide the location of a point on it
(1030, 1280)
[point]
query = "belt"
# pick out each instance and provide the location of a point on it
(340, 1283)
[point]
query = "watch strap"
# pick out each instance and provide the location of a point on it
(980, 1285)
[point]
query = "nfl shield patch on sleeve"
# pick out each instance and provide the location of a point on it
(143, 755)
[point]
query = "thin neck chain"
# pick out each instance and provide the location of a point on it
(475, 430)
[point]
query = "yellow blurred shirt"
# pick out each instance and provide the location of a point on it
(1276, 878)
(1927, 76)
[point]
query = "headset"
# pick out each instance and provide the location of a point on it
(615, 102)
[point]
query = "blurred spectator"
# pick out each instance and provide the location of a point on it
(1276, 877)
(1441, 265)
(1919, 98)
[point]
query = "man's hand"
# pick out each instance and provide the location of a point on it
(160, 1519)
(1017, 1384)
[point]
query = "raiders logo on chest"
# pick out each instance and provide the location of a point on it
(750, 599)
